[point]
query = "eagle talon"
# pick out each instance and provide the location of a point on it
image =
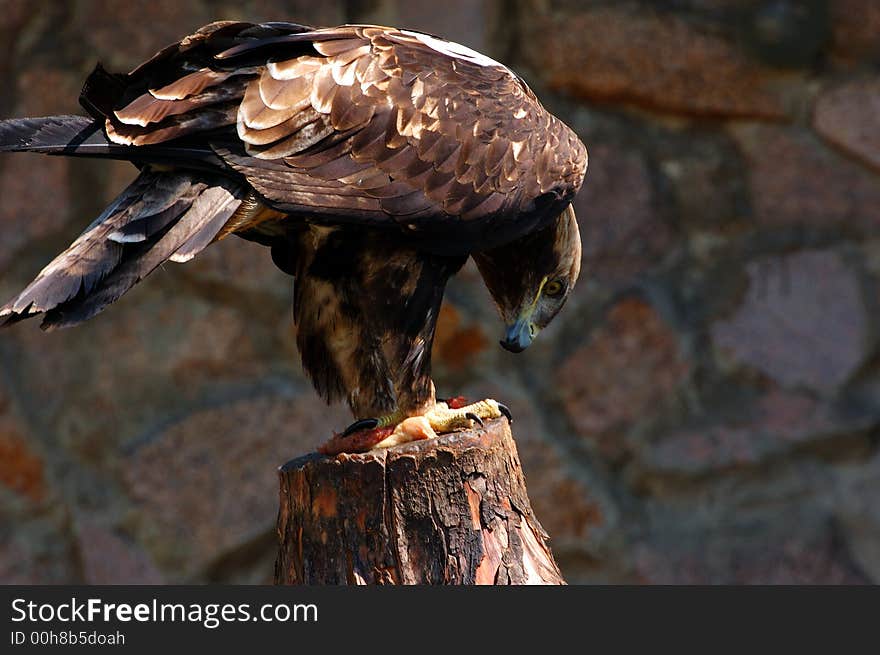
(362, 424)
(504, 409)
(474, 418)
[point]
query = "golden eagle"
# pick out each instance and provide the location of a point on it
(373, 162)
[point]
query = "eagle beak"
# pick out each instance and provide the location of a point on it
(519, 335)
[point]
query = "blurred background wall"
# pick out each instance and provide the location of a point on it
(705, 410)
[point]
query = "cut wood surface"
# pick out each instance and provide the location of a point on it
(452, 510)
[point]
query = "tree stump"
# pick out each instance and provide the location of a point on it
(451, 510)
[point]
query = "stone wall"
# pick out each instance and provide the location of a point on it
(705, 410)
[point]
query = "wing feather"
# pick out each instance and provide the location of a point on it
(191, 84)
(278, 132)
(364, 118)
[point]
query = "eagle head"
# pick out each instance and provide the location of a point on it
(531, 278)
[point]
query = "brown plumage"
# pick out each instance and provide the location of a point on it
(372, 160)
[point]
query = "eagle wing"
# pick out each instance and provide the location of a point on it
(359, 123)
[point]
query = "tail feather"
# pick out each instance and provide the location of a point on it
(142, 228)
(83, 136)
(51, 135)
(200, 239)
(161, 216)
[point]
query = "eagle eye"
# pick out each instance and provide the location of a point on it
(554, 288)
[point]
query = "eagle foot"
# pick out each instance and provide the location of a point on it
(397, 428)
(443, 418)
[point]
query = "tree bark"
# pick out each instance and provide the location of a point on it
(452, 510)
